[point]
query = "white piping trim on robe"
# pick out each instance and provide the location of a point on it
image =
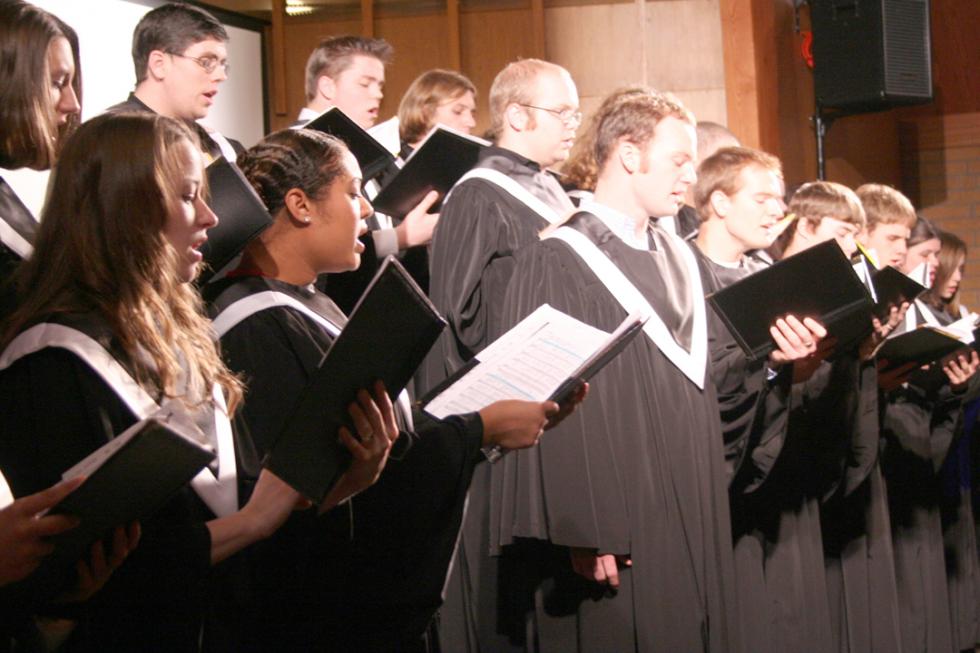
(693, 363)
(239, 310)
(15, 241)
(219, 494)
(224, 145)
(514, 189)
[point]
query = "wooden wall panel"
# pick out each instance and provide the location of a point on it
(490, 40)
(420, 43)
(301, 37)
(684, 50)
(600, 45)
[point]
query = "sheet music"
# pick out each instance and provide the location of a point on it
(529, 362)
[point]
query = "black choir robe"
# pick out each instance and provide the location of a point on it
(54, 411)
(367, 576)
(481, 228)
(638, 470)
(209, 145)
(917, 426)
(754, 407)
(20, 220)
(956, 514)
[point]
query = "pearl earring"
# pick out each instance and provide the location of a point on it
(306, 219)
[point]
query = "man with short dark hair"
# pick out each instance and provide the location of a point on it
(347, 72)
(180, 59)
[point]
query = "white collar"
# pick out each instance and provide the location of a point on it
(30, 186)
(307, 114)
(622, 225)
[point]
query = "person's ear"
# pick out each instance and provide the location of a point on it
(630, 156)
(516, 116)
(158, 64)
(720, 203)
(326, 87)
(299, 207)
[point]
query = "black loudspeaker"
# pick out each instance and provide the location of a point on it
(871, 55)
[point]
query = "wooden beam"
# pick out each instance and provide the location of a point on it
(367, 18)
(452, 34)
(278, 47)
(749, 47)
(537, 29)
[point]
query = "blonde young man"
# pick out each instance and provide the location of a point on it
(617, 531)
(890, 218)
(495, 210)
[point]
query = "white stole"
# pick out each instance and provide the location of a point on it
(692, 364)
(245, 307)
(513, 189)
(219, 493)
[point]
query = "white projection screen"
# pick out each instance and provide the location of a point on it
(105, 32)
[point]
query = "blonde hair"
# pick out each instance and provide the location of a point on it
(429, 90)
(885, 205)
(581, 169)
(515, 85)
(721, 172)
(816, 200)
(101, 249)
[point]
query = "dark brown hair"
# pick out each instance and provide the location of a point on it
(951, 254)
(172, 28)
(29, 135)
(292, 158)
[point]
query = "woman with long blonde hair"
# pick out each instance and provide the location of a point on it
(109, 330)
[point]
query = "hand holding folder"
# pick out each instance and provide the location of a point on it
(390, 331)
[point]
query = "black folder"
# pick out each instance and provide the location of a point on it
(921, 346)
(390, 331)
(818, 282)
(156, 459)
(892, 288)
(438, 163)
(372, 156)
(241, 216)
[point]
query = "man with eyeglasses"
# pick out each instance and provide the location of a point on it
(494, 211)
(180, 58)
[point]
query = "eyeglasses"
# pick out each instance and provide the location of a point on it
(569, 117)
(209, 64)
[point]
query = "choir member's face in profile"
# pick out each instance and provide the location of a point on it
(338, 219)
(189, 87)
(667, 168)
(751, 213)
(61, 70)
(190, 217)
(843, 232)
(458, 113)
(889, 241)
(925, 252)
(953, 283)
(549, 136)
(357, 91)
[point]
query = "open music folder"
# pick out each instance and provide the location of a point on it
(818, 282)
(437, 164)
(548, 355)
(126, 480)
(372, 156)
(390, 331)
